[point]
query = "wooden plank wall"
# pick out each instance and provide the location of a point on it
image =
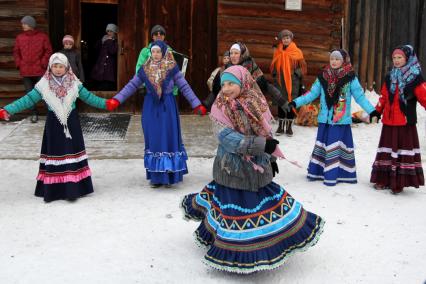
(191, 30)
(317, 29)
(376, 27)
(11, 12)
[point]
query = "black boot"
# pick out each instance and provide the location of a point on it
(281, 127)
(34, 117)
(289, 131)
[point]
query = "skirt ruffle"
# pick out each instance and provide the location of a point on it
(247, 231)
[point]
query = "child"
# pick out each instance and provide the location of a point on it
(73, 56)
(215, 75)
(218, 70)
(31, 53)
(105, 70)
(64, 172)
(240, 55)
(165, 156)
(333, 158)
(287, 68)
(248, 222)
(398, 160)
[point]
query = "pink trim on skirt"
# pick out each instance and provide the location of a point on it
(64, 177)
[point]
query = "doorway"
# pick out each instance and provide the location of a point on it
(94, 19)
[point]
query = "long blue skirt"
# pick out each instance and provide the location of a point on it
(165, 155)
(248, 231)
(333, 158)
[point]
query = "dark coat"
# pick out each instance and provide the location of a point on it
(74, 59)
(105, 68)
(31, 53)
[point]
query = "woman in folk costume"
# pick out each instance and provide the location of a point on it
(64, 171)
(248, 222)
(398, 160)
(333, 158)
(165, 155)
(287, 68)
(240, 55)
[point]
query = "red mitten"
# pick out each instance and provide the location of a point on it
(112, 104)
(4, 114)
(201, 110)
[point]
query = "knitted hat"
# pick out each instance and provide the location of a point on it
(158, 29)
(58, 58)
(284, 33)
(404, 50)
(28, 20)
(112, 28)
(68, 38)
(229, 77)
(161, 45)
(227, 53)
(341, 54)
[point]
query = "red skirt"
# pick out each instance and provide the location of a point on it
(398, 160)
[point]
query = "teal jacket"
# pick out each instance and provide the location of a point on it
(33, 97)
(351, 89)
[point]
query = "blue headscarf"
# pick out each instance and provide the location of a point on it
(161, 44)
(406, 74)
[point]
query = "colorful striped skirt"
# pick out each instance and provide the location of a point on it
(398, 160)
(333, 157)
(64, 172)
(248, 231)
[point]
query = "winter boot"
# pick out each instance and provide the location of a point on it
(34, 117)
(281, 126)
(289, 131)
(396, 190)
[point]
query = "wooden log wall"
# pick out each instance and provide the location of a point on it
(190, 29)
(11, 13)
(316, 28)
(375, 27)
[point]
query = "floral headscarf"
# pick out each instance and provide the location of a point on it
(257, 116)
(406, 74)
(156, 72)
(60, 85)
(333, 80)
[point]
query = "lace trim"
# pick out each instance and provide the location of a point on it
(61, 107)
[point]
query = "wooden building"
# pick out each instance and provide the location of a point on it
(375, 27)
(203, 30)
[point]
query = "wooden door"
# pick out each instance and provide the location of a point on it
(126, 13)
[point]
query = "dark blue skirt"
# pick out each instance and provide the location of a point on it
(333, 157)
(250, 231)
(165, 155)
(64, 172)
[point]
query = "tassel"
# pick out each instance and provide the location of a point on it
(67, 132)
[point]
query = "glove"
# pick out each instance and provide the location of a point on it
(4, 114)
(275, 169)
(270, 145)
(290, 106)
(375, 113)
(112, 104)
(200, 110)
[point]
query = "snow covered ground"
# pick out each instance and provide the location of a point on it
(127, 232)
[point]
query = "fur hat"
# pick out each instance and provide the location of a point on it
(112, 27)
(30, 21)
(158, 29)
